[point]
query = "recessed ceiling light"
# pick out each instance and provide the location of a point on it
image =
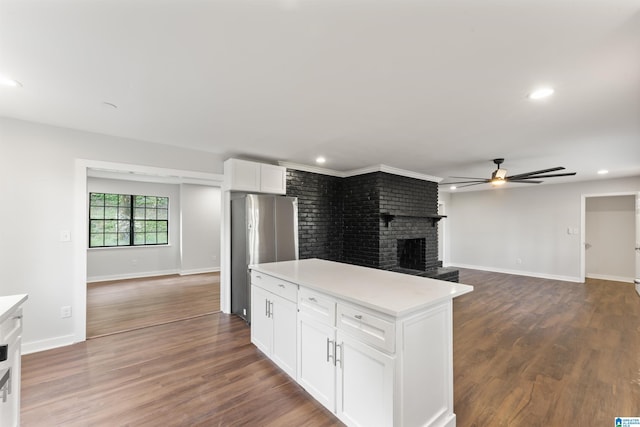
(5, 81)
(453, 187)
(541, 93)
(603, 172)
(320, 160)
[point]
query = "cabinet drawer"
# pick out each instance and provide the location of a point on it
(286, 290)
(367, 327)
(319, 306)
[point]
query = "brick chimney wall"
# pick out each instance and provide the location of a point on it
(340, 219)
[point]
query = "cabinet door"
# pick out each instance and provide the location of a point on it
(261, 323)
(316, 370)
(364, 384)
(243, 175)
(273, 179)
(284, 316)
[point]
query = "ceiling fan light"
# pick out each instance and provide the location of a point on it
(496, 182)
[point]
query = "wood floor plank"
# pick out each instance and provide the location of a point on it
(123, 305)
(527, 352)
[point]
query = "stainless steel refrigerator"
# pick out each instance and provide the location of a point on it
(264, 228)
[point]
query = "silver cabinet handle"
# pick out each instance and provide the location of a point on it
(266, 308)
(258, 277)
(339, 346)
(312, 299)
(270, 308)
(281, 285)
(358, 316)
(329, 355)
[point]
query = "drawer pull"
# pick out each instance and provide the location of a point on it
(258, 277)
(281, 285)
(329, 346)
(312, 299)
(336, 359)
(358, 316)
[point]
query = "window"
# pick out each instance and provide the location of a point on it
(127, 220)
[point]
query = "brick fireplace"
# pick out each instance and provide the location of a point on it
(376, 220)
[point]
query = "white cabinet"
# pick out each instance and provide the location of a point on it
(364, 383)
(369, 354)
(273, 179)
(274, 322)
(243, 175)
(10, 340)
(316, 360)
(338, 368)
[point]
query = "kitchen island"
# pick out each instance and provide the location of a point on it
(373, 346)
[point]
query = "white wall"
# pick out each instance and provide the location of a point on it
(200, 228)
(137, 261)
(610, 225)
(495, 229)
(37, 187)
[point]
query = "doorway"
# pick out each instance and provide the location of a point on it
(609, 229)
(144, 173)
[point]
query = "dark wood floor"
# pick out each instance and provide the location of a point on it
(535, 352)
(123, 305)
(527, 352)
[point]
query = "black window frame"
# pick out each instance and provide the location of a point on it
(125, 219)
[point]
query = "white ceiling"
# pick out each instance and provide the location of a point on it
(433, 86)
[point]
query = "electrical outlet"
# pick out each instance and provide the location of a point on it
(65, 311)
(519, 261)
(65, 236)
(214, 257)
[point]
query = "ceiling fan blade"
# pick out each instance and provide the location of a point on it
(549, 175)
(466, 182)
(469, 185)
(524, 181)
(526, 174)
(466, 177)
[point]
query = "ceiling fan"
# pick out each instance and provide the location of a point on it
(499, 176)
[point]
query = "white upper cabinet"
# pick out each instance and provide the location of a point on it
(243, 175)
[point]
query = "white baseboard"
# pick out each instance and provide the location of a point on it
(609, 277)
(199, 271)
(94, 279)
(48, 344)
(518, 272)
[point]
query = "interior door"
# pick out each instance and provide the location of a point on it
(637, 281)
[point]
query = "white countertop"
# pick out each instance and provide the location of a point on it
(392, 293)
(9, 303)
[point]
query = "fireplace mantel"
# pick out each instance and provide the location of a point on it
(388, 217)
